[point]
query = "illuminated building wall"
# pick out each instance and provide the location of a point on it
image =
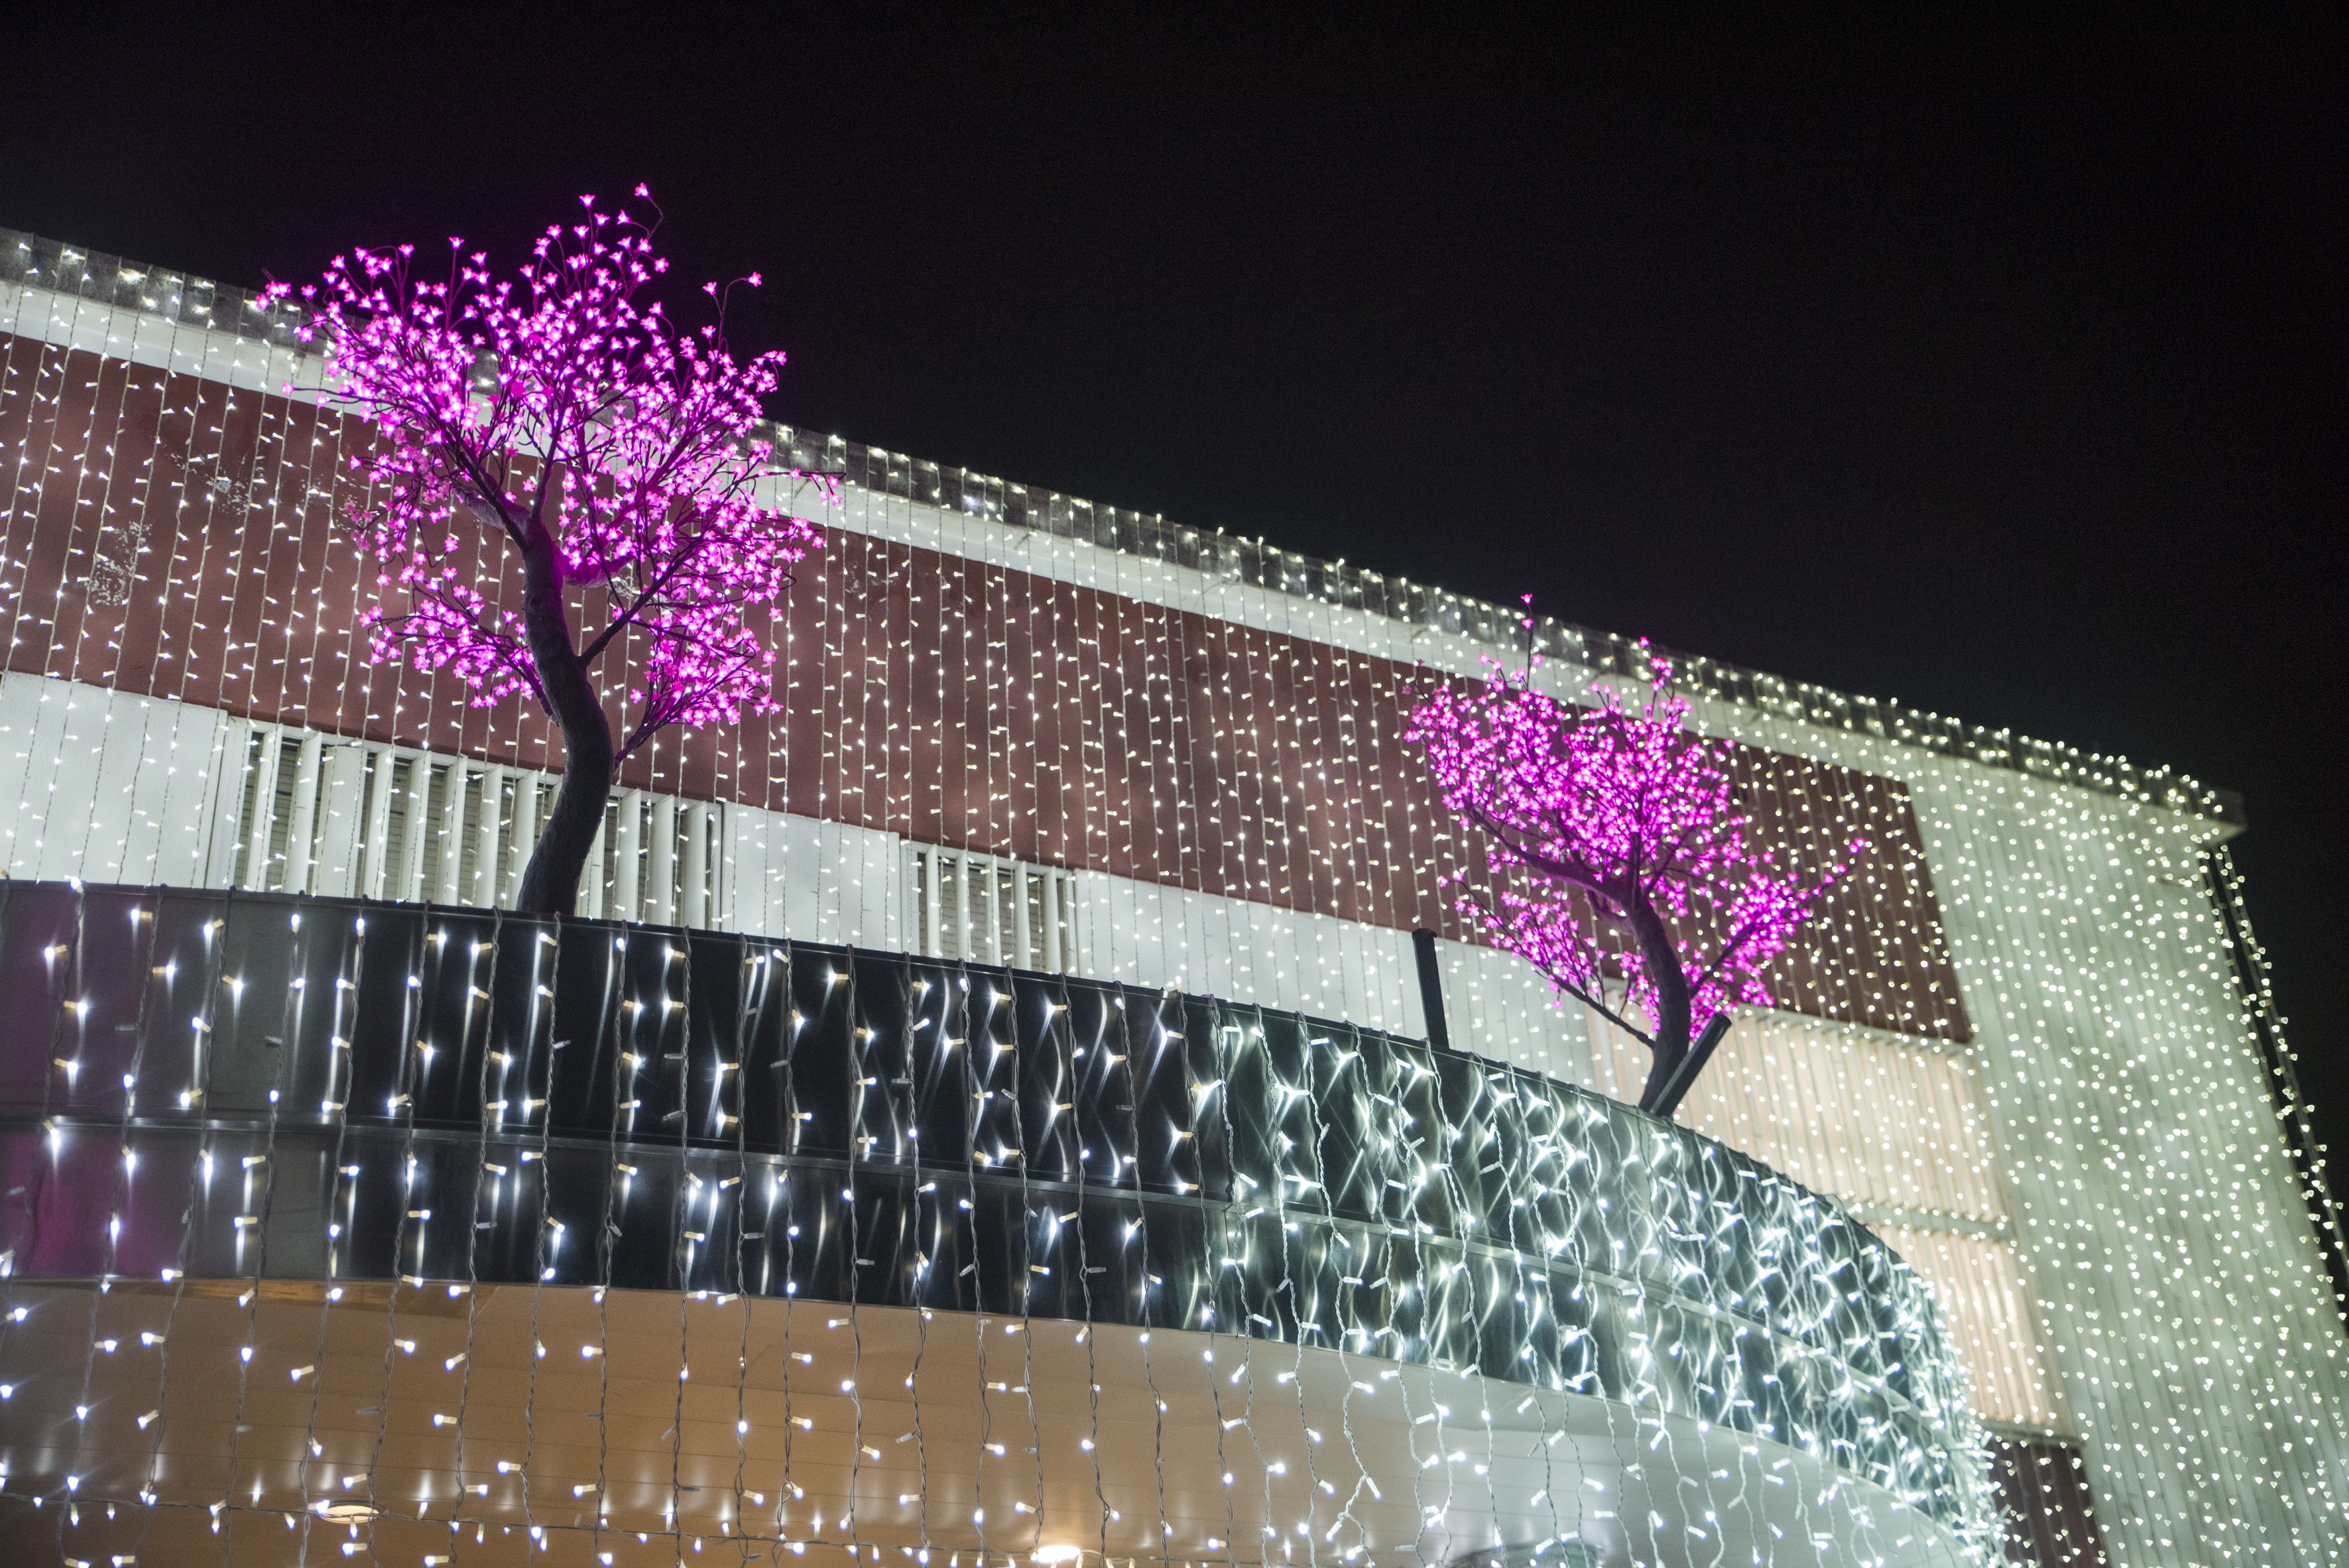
(1025, 730)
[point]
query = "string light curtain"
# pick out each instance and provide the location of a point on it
(983, 668)
(371, 1185)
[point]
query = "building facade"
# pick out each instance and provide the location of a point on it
(2024, 1042)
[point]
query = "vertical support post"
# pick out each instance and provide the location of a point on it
(1431, 988)
(627, 892)
(414, 874)
(488, 830)
(660, 901)
(946, 904)
(303, 827)
(452, 832)
(376, 874)
(334, 822)
(1023, 934)
(525, 831)
(264, 765)
(695, 907)
(590, 876)
(927, 896)
(1676, 1087)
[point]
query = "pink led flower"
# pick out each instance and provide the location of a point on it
(1626, 824)
(608, 449)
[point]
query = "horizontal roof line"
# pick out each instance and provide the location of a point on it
(110, 280)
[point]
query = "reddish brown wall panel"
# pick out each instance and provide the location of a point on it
(2051, 1518)
(932, 695)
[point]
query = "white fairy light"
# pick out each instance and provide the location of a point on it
(2098, 985)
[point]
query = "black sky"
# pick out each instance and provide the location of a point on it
(1991, 363)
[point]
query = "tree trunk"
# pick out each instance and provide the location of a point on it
(550, 885)
(1663, 962)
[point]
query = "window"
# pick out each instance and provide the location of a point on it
(282, 809)
(991, 911)
(315, 814)
(656, 858)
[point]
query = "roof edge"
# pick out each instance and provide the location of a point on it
(111, 280)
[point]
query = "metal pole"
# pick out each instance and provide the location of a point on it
(1431, 989)
(1677, 1086)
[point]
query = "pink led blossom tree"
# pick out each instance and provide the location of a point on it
(610, 450)
(1624, 825)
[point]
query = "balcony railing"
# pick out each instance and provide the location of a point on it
(330, 1088)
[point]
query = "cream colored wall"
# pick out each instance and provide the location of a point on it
(1896, 1129)
(2190, 1332)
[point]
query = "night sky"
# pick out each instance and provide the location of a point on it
(1989, 364)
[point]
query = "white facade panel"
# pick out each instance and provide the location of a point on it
(2191, 1328)
(111, 787)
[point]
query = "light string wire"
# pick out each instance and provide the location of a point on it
(1217, 1256)
(262, 1226)
(1315, 642)
(651, 1043)
(750, 977)
(30, 1190)
(151, 1485)
(1149, 1314)
(611, 1038)
(1622, 1143)
(1424, 1513)
(1485, 1121)
(334, 1106)
(204, 1040)
(1190, 844)
(116, 1175)
(1059, 1031)
(914, 1018)
(250, 1303)
(975, 1098)
(1446, 1184)
(1689, 1230)
(1149, 635)
(1240, 1243)
(26, 482)
(1539, 1149)
(1340, 1065)
(1699, 1477)
(545, 1234)
(58, 607)
(487, 1191)
(1004, 1006)
(135, 521)
(408, 1087)
(1303, 1311)
(781, 1191)
(859, 1156)
(788, 1195)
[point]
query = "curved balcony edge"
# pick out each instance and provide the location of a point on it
(207, 1084)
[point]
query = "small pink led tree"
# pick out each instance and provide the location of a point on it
(1625, 824)
(611, 451)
